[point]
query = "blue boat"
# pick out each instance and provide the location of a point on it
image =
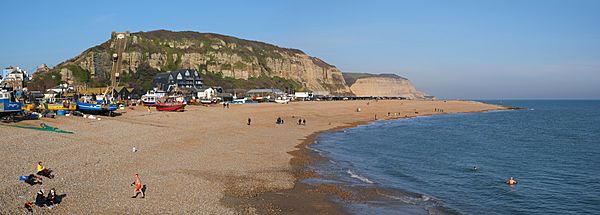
(98, 108)
(7, 106)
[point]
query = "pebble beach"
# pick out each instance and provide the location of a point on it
(205, 160)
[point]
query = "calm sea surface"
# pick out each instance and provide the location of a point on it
(552, 149)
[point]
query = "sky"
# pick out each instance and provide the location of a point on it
(478, 49)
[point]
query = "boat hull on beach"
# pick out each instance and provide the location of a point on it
(60, 106)
(96, 108)
(170, 106)
(7, 107)
(149, 104)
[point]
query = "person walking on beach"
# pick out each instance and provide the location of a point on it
(138, 187)
(303, 121)
(299, 121)
(249, 120)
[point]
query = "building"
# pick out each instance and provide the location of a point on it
(179, 80)
(14, 78)
(264, 93)
(303, 96)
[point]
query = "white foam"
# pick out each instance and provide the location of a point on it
(359, 177)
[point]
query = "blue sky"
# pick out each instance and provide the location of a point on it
(451, 49)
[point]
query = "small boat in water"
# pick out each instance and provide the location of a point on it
(7, 106)
(170, 106)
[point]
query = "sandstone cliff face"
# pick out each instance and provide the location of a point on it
(233, 57)
(383, 86)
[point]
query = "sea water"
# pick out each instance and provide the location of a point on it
(460, 162)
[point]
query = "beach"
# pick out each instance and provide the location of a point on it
(206, 160)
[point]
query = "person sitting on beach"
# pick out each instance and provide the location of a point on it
(40, 199)
(138, 187)
(41, 170)
(279, 121)
(304, 122)
(511, 181)
(299, 121)
(29, 206)
(51, 198)
(32, 180)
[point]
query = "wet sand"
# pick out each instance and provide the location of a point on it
(202, 161)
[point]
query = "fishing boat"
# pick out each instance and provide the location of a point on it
(101, 105)
(282, 100)
(66, 105)
(170, 106)
(207, 101)
(151, 97)
(97, 108)
(7, 106)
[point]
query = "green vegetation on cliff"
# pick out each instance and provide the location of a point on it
(217, 79)
(350, 78)
(225, 61)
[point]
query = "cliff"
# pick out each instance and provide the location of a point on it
(383, 85)
(222, 56)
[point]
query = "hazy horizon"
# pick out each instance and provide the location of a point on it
(459, 49)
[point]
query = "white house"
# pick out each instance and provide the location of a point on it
(209, 93)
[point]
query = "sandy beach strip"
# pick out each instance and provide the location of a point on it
(205, 160)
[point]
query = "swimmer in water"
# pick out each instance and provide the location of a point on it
(475, 169)
(511, 181)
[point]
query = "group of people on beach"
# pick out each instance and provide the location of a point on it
(279, 121)
(301, 121)
(41, 200)
(438, 110)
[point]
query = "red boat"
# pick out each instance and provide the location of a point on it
(170, 106)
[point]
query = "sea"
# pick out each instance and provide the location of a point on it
(458, 163)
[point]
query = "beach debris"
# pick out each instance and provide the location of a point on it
(43, 127)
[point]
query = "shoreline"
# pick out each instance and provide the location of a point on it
(204, 160)
(319, 199)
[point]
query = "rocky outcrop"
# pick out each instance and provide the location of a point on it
(233, 57)
(385, 85)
